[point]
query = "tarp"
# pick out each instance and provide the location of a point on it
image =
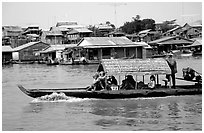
(136, 66)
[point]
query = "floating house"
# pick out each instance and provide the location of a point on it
(98, 48)
(6, 53)
(167, 44)
(28, 51)
(56, 51)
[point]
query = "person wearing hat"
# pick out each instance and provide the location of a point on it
(173, 66)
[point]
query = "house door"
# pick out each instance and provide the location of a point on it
(139, 52)
(106, 53)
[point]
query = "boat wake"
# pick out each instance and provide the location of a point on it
(57, 97)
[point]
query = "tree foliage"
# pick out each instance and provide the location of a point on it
(167, 25)
(137, 25)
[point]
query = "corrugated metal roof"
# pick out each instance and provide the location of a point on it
(106, 42)
(80, 30)
(136, 66)
(162, 39)
(53, 48)
(72, 26)
(170, 39)
(144, 44)
(58, 29)
(25, 45)
(12, 28)
(7, 49)
(176, 42)
(196, 43)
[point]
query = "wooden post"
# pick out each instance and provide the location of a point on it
(157, 79)
(170, 81)
(136, 82)
(124, 52)
(119, 82)
(87, 51)
(136, 52)
(101, 53)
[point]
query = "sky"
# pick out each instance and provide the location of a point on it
(47, 14)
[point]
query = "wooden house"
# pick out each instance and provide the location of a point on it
(167, 44)
(10, 35)
(32, 32)
(54, 38)
(104, 29)
(6, 53)
(75, 35)
(196, 47)
(186, 31)
(116, 34)
(98, 48)
(28, 51)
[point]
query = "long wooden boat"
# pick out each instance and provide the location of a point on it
(120, 67)
(116, 94)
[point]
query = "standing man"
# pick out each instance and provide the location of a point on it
(172, 64)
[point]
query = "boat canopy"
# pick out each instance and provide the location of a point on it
(135, 66)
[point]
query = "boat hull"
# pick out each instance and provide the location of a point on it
(116, 94)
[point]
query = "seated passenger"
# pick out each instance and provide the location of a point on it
(111, 81)
(102, 79)
(188, 73)
(152, 82)
(128, 83)
(83, 59)
(95, 84)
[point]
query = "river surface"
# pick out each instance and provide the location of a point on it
(22, 113)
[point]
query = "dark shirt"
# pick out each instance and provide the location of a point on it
(172, 64)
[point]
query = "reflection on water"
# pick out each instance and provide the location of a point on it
(20, 112)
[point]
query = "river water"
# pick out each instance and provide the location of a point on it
(22, 113)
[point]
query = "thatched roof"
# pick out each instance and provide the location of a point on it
(136, 66)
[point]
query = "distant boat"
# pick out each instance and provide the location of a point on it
(158, 55)
(186, 53)
(23, 62)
